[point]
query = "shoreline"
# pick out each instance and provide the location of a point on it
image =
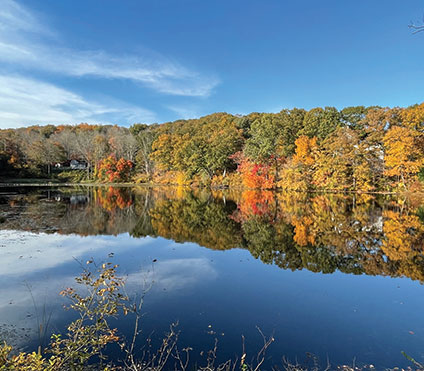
(151, 185)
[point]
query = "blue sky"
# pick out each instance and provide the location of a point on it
(104, 61)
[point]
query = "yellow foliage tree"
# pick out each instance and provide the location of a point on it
(305, 148)
(297, 172)
(413, 117)
(403, 156)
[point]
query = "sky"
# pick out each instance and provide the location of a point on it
(128, 61)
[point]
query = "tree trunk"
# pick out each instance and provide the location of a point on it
(147, 168)
(277, 175)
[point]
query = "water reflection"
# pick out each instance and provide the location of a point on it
(358, 311)
(357, 234)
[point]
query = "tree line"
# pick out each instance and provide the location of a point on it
(353, 149)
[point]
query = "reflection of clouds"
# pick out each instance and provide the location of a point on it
(42, 265)
(173, 274)
(44, 288)
(35, 260)
(25, 252)
(18, 311)
(24, 298)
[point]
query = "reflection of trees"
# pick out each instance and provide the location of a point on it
(325, 233)
(255, 203)
(204, 221)
(275, 244)
(404, 235)
(114, 198)
(357, 234)
(84, 211)
(403, 241)
(144, 201)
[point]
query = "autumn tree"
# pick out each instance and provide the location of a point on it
(353, 117)
(42, 151)
(297, 172)
(197, 147)
(144, 136)
(413, 117)
(342, 162)
(67, 139)
(292, 124)
(264, 146)
(321, 122)
(85, 147)
(11, 153)
(122, 143)
(256, 175)
(404, 158)
(357, 148)
(112, 170)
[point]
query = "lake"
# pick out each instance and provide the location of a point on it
(337, 276)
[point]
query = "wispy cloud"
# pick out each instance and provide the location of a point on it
(14, 17)
(17, 46)
(174, 274)
(26, 101)
(185, 112)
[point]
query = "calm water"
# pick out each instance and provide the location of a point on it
(337, 276)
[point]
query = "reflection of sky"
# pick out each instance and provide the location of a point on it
(344, 316)
(41, 265)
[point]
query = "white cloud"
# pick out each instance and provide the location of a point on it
(26, 101)
(174, 274)
(162, 75)
(28, 253)
(14, 17)
(184, 112)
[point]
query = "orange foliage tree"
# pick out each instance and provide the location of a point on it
(256, 175)
(113, 170)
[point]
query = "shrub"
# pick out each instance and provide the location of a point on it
(87, 336)
(141, 178)
(73, 176)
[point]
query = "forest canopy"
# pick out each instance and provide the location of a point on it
(353, 149)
